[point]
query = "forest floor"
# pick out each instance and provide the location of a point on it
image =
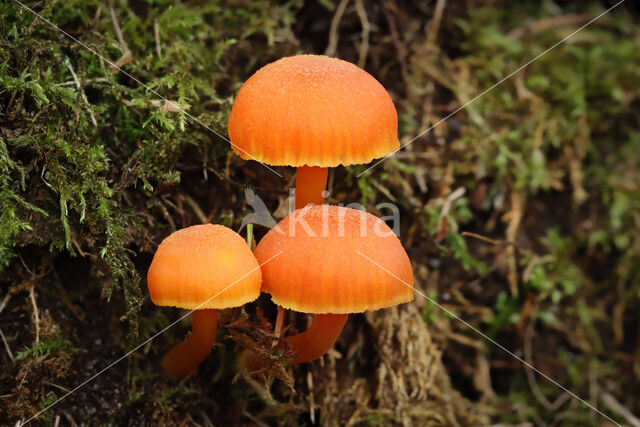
(520, 212)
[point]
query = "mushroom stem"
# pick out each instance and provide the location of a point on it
(185, 357)
(311, 182)
(318, 338)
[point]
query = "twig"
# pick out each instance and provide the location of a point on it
(334, 353)
(74, 309)
(331, 180)
(36, 315)
(22, 380)
(480, 237)
(156, 32)
(421, 178)
(82, 94)
(207, 420)
(277, 331)
(482, 377)
(333, 32)
(616, 406)
(366, 29)
(126, 57)
(170, 106)
(261, 390)
(531, 378)
(400, 47)
(443, 223)
(15, 91)
(69, 418)
(618, 320)
(547, 23)
(450, 199)
(96, 16)
(528, 270)
(383, 190)
(225, 178)
(196, 209)
(6, 345)
(434, 25)
(254, 419)
(26, 267)
(576, 154)
(164, 105)
(27, 284)
(514, 216)
(312, 405)
(5, 301)
(594, 392)
(464, 340)
(37, 18)
(66, 390)
(17, 288)
(73, 82)
(121, 40)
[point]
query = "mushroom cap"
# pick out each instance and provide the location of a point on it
(321, 267)
(199, 262)
(313, 110)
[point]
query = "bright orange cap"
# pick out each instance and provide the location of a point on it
(313, 110)
(197, 263)
(323, 267)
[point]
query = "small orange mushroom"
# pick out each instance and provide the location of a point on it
(204, 268)
(326, 266)
(312, 112)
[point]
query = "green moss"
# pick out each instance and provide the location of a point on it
(52, 343)
(69, 184)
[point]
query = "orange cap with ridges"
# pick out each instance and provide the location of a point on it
(313, 110)
(199, 262)
(323, 265)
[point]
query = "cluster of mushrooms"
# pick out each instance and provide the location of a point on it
(312, 112)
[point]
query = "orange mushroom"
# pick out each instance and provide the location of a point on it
(323, 269)
(203, 268)
(312, 112)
